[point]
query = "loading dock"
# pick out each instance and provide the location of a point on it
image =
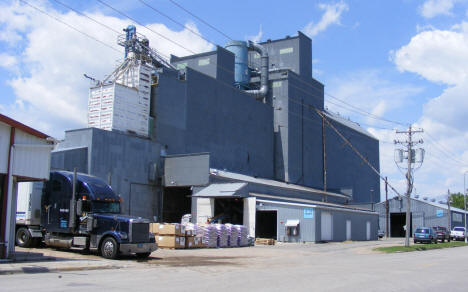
(266, 224)
(229, 210)
(176, 203)
(398, 220)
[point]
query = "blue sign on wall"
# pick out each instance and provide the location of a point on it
(440, 213)
(308, 213)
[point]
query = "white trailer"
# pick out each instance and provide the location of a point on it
(28, 214)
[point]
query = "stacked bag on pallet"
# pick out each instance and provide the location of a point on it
(208, 234)
(215, 235)
(222, 233)
(233, 235)
(243, 235)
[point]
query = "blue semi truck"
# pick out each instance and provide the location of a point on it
(79, 211)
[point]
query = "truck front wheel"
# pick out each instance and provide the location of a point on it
(109, 248)
(23, 237)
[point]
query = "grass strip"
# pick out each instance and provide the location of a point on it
(419, 247)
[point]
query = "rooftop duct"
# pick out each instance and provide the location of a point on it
(262, 92)
(242, 72)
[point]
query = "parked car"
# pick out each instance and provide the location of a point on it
(425, 234)
(442, 233)
(458, 233)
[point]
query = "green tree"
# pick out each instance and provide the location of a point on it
(457, 200)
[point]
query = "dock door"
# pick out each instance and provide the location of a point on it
(266, 224)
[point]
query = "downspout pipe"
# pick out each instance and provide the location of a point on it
(262, 92)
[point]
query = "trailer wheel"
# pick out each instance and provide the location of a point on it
(23, 237)
(109, 248)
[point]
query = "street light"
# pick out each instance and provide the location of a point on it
(464, 200)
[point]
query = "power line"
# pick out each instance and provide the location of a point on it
(81, 13)
(68, 25)
(98, 22)
(350, 107)
(354, 149)
(206, 23)
(365, 112)
(444, 150)
(178, 23)
(139, 23)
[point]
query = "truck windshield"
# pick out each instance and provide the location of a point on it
(106, 207)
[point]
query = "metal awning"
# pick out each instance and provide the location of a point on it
(292, 223)
(227, 190)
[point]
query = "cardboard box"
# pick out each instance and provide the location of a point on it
(189, 233)
(193, 242)
(170, 241)
(154, 228)
(172, 229)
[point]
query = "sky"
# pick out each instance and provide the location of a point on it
(404, 61)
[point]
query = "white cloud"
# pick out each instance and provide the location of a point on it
(437, 55)
(441, 56)
(332, 15)
(8, 62)
(432, 8)
(51, 93)
(368, 90)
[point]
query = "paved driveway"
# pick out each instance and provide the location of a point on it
(294, 267)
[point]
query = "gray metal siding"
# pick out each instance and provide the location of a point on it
(345, 169)
(306, 226)
(70, 159)
(214, 117)
(358, 224)
(310, 229)
(187, 170)
(128, 159)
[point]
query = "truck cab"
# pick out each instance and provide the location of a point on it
(83, 212)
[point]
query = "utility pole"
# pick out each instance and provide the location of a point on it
(464, 201)
(409, 173)
(387, 208)
(324, 151)
(449, 213)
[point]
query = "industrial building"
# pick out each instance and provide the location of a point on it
(238, 135)
(424, 212)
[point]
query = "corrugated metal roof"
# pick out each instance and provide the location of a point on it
(435, 204)
(283, 199)
(270, 182)
(348, 123)
(23, 127)
(223, 190)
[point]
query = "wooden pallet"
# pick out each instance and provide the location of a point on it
(265, 241)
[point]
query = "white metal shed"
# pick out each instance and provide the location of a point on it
(24, 156)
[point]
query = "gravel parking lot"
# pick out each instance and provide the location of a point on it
(350, 266)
